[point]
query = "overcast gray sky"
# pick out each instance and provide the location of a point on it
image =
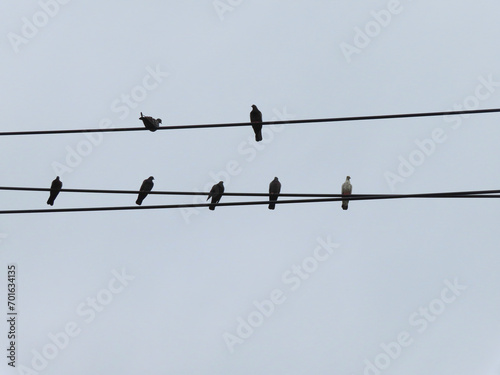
(386, 287)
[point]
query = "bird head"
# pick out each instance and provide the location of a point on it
(221, 183)
(151, 178)
(159, 120)
(348, 178)
(254, 106)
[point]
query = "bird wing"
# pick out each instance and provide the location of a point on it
(256, 116)
(275, 187)
(346, 188)
(147, 185)
(213, 191)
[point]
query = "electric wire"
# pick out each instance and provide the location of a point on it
(291, 201)
(298, 195)
(279, 122)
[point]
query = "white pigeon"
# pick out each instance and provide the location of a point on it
(346, 190)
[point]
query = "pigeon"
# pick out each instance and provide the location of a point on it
(146, 187)
(274, 191)
(256, 120)
(346, 190)
(216, 194)
(150, 123)
(55, 188)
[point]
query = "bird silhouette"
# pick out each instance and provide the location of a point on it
(146, 187)
(150, 123)
(216, 194)
(55, 188)
(274, 191)
(256, 120)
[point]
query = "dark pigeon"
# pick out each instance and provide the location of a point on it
(216, 194)
(150, 123)
(146, 187)
(274, 191)
(256, 120)
(55, 188)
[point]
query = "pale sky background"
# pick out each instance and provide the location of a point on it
(197, 273)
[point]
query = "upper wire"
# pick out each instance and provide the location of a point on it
(280, 122)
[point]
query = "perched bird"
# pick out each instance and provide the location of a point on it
(346, 190)
(146, 187)
(55, 188)
(274, 191)
(256, 120)
(150, 123)
(216, 194)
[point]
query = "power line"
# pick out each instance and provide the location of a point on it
(297, 195)
(294, 201)
(235, 124)
(107, 191)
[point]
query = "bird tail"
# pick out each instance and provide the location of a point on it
(258, 136)
(212, 207)
(50, 202)
(271, 206)
(138, 201)
(345, 204)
